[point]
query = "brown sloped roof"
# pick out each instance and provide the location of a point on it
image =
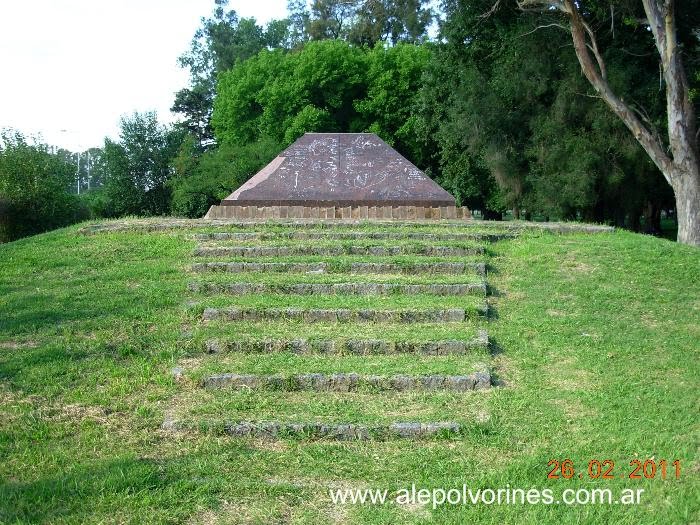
(340, 169)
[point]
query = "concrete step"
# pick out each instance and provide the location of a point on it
(377, 251)
(340, 315)
(450, 268)
(317, 430)
(349, 346)
(349, 236)
(244, 288)
(350, 382)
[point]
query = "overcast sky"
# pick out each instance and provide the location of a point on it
(71, 68)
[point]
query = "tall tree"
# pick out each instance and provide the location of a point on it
(222, 41)
(138, 166)
(677, 157)
(331, 19)
(298, 16)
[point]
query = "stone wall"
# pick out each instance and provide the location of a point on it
(347, 212)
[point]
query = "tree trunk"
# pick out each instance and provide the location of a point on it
(687, 193)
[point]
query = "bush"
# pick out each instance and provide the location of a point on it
(204, 180)
(34, 190)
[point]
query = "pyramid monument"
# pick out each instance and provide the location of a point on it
(339, 176)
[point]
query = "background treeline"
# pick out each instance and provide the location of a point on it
(493, 106)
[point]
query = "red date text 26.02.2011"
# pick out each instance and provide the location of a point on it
(605, 469)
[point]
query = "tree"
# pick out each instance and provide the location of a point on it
(222, 41)
(364, 22)
(282, 95)
(678, 158)
(331, 19)
(298, 22)
(394, 77)
(35, 188)
(138, 166)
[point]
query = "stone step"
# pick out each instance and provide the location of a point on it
(338, 431)
(496, 227)
(339, 315)
(342, 236)
(377, 251)
(244, 288)
(349, 346)
(350, 382)
(449, 268)
(241, 267)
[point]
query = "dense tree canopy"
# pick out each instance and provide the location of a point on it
(519, 104)
(494, 107)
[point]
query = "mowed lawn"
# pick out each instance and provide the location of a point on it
(595, 344)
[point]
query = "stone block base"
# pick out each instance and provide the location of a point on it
(371, 213)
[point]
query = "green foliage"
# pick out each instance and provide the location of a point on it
(505, 92)
(310, 119)
(97, 203)
(222, 41)
(394, 77)
(138, 166)
(34, 189)
(326, 86)
(203, 180)
(363, 22)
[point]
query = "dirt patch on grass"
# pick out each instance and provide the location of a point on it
(565, 374)
(238, 513)
(175, 411)
(270, 445)
(80, 413)
(13, 404)
(17, 345)
(505, 373)
(573, 409)
(320, 499)
(579, 267)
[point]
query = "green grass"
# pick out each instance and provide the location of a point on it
(285, 363)
(347, 244)
(595, 340)
(273, 278)
(341, 263)
(213, 409)
(353, 302)
(297, 330)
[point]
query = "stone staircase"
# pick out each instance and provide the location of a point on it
(366, 332)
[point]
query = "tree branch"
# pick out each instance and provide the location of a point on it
(491, 11)
(579, 33)
(542, 27)
(594, 47)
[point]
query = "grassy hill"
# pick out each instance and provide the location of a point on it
(115, 339)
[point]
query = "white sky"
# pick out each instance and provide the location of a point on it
(72, 68)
